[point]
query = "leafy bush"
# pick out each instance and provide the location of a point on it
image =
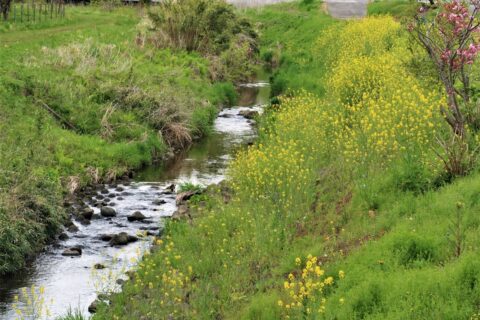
(209, 27)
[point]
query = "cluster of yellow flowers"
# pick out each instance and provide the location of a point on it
(305, 291)
(31, 304)
(378, 110)
(385, 110)
(170, 287)
(280, 174)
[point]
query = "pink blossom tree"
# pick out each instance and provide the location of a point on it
(451, 37)
(449, 31)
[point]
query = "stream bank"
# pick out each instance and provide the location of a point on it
(115, 223)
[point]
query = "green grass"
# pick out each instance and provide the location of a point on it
(396, 8)
(287, 34)
(116, 107)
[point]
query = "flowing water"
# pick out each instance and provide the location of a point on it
(73, 282)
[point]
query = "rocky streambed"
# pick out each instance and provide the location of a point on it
(113, 225)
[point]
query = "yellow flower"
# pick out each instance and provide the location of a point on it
(328, 281)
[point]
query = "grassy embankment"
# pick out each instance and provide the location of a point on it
(341, 210)
(80, 102)
(396, 8)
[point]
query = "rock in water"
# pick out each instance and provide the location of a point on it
(72, 228)
(72, 252)
(87, 213)
(249, 114)
(122, 239)
(92, 308)
(108, 212)
(63, 236)
(136, 216)
(106, 237)
(158, 202)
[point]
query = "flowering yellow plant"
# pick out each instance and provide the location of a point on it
(304, 289)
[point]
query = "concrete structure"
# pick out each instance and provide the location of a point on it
(345, 9)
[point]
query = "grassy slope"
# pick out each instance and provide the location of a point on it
(38, 154)
(399, 259)
(397, 8)
(286, 32)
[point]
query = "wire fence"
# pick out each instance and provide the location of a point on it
(20, 12)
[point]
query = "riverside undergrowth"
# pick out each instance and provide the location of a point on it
(81, 102)
(343, 178)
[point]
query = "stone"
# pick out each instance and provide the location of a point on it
(72, 228)
(158, 202)
(63, 236)
(122, 239)
(99, 266)
(87, 213)
(112, 195)
(92, 308)
(107, 212)
(100, 197)
(120, 189)
(249, 114)
(72, 252)
(96, 216)
(106, 237)
(104, 191)
(136, 216)
(170, 188)
(181, 212)
(185, 196)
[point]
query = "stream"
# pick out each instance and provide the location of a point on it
(73, 282)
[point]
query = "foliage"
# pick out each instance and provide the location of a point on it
(212, 28)
(287, 33)
(84, 105)
(449, 37)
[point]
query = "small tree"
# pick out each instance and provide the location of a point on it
(449, 31)
(5, 8)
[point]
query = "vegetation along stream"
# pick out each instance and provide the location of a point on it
(94, 257)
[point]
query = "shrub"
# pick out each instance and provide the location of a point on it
(209, 27)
